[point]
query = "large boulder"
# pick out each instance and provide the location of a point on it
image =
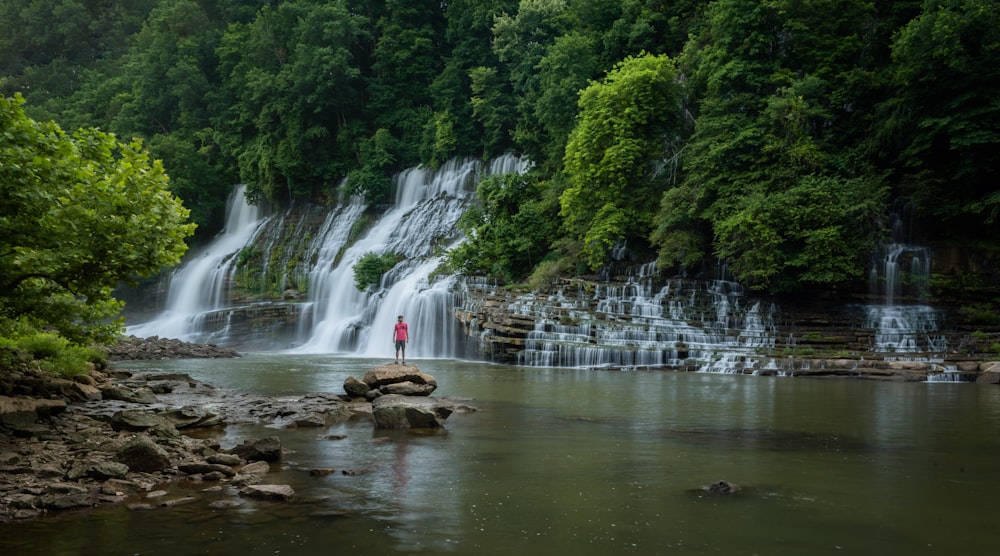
(143, 454)
(391, 379)
(395, 411)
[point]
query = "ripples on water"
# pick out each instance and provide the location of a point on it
(572, 462)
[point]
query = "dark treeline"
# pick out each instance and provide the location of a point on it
(779, 136)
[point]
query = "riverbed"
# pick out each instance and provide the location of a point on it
(586, 462)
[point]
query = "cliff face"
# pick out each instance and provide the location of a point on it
(717, 327)
(942, 315)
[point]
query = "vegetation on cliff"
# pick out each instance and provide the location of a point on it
(775, 136)
(81, 213)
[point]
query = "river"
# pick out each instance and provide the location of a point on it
(583, 462)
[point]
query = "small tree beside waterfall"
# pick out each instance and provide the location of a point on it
(371, 266)
(81, 213)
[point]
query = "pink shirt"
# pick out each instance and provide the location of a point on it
(402, 331)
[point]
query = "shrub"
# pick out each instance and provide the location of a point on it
(370, 267)
(52, 353)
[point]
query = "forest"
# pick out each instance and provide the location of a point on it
(778, 136)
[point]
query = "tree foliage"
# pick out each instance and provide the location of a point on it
(510, 231)
(777, 145)
(944, 110)
(80, 213)
(619, 153)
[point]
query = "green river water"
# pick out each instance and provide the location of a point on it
(567, 462)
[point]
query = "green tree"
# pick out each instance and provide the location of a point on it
(79, 214)
(509, 231)
(294, 85)
(943, 116)
(779, 92)
(620, 155)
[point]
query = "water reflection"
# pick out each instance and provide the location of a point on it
(574, 462)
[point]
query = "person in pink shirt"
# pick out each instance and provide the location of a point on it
(401, 335)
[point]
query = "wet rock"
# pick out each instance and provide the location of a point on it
(143, 396)
(266, 449)
(394, 411)
(24, 411)
(192, 417)
(990, 374)
(133, 348)
(268, 492)
(394, 374)
(99, 471)
(138, 420)
(256, 468)
(408, 388)
(722, 487)
(225, 504)
(231, 460)
(322, 472)
(355, 388)
(193, 468)
(143, 454)
(120, 487)
(357, 471)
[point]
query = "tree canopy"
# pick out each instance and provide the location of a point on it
(775, 137)
(80, 213)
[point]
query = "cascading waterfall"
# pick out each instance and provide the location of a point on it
(421, 224)
(336, 317)
(199, 287)
(638, 325)
(902, 329)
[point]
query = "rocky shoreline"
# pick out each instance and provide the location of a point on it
(117, 437)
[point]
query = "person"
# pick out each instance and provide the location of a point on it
(400, 335)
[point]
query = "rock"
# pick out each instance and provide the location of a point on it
(231, 460)
(189, 417)
(393, 374)
(322, 471)
(256, 468)
(722, 487)
(990, 374)
(133, 348)
(17, 412)
(143, 396)
(120, 487)
(268, 492)
(200, 467)
(142, 454)
(225, 504)
(266, 449)
(408, 389)
(138, 420)
(394, 411)
(99, 471)
(355, 388)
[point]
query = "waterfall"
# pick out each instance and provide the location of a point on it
(199, 287)
(898, 270)
(335, 317)
(641, 324)
(418, 228)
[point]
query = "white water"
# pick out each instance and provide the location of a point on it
(420, 226)
(638, 325)
(337, 317)
(199, 286)
(903, 329)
